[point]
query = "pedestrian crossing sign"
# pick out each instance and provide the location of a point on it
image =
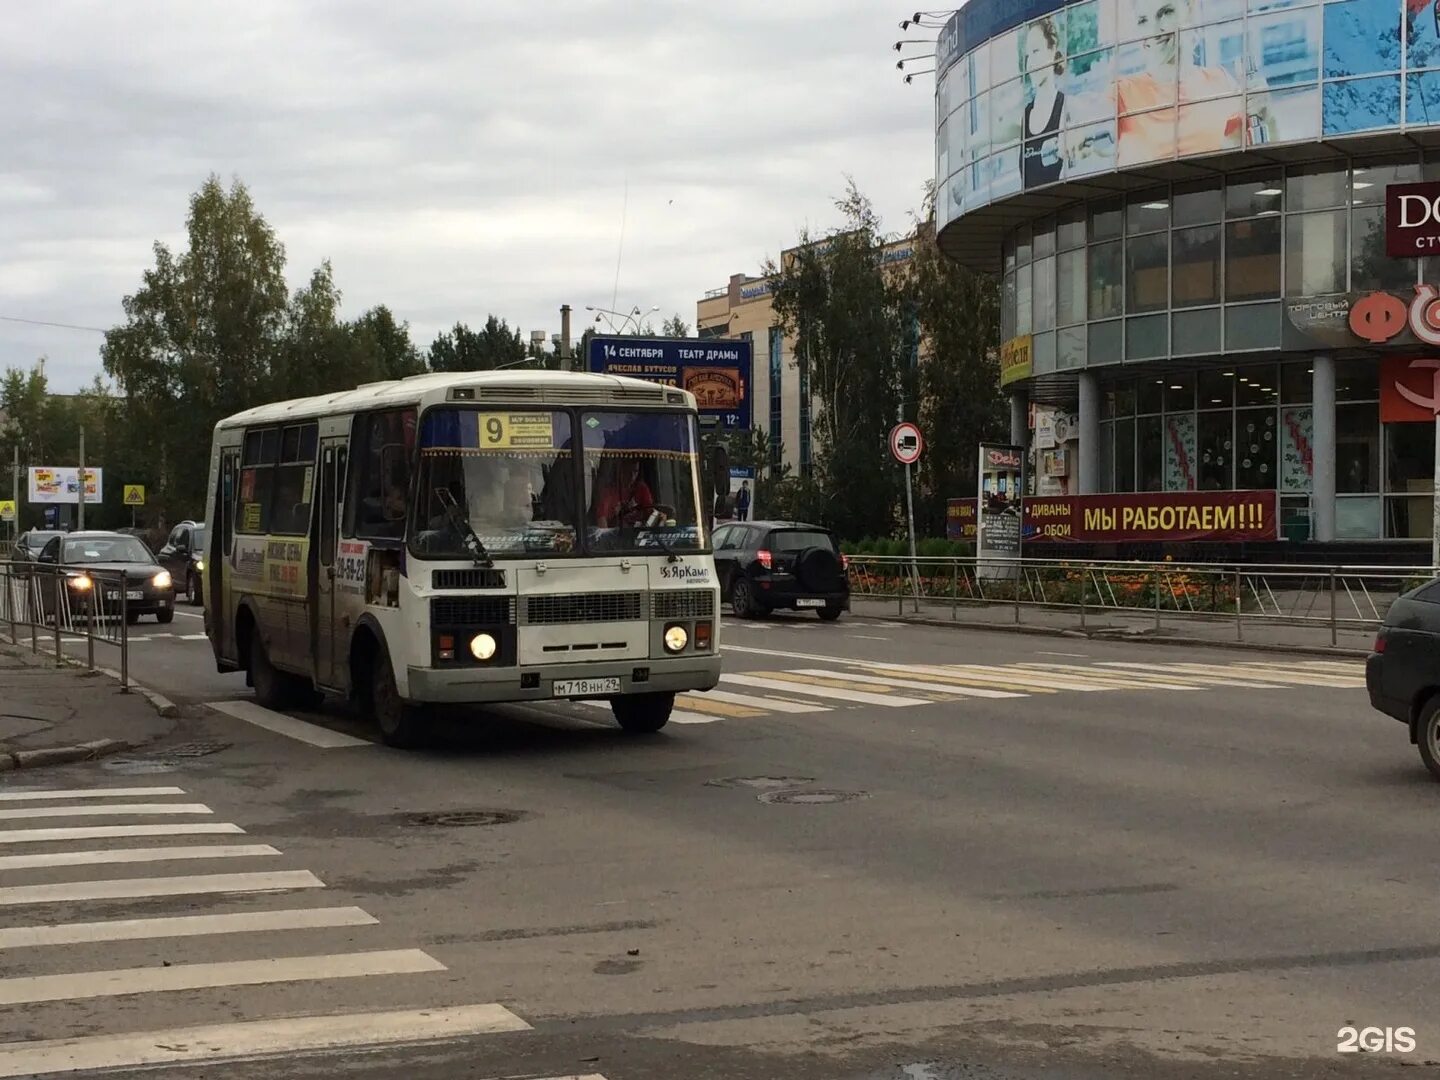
(134, 494)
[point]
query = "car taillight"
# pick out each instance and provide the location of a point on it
(1380, 642)
(844, 562)
(764, 558)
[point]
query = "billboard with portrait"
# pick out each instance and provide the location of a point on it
(1036, 92)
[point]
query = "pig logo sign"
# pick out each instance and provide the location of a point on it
(1412, 219)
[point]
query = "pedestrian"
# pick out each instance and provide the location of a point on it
(742, 501)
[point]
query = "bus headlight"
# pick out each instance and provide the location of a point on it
(676, 638)
(162, 580)
(199, 566)
(81, 583)
(482, 647)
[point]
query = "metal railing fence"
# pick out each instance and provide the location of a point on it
(1337, 597)
(54, 606)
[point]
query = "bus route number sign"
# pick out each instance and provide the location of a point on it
(517, 431)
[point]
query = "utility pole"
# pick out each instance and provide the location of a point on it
(80, 514)
(15, 488)
(565, 364)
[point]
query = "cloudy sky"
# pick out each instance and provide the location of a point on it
(452, 159)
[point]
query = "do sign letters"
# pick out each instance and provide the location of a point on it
(1412, 219)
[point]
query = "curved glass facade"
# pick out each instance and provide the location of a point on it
(1041, 92)
(1248, 264)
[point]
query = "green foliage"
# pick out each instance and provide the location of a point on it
(675, 326)
(212, 331)
(494, 345)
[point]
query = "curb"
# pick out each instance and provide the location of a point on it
(59, 755)
(1142, 637)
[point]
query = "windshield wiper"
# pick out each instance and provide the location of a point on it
(458, 518)
(670, 552)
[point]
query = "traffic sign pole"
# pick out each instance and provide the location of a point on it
(906, 443)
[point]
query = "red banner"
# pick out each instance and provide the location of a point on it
(1407, 389)
(1179, 515)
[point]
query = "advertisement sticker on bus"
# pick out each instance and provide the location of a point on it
(350, 567)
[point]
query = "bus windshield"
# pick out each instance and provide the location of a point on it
(510, 476)
(642, 488)
(507, 475)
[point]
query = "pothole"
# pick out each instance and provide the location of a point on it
(811, 797)
(765, 783)
(456, 819)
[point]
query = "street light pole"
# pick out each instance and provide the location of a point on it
(80, 514)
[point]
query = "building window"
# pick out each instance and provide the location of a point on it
(1023, 299)
(1125, 454)
(1370, 267)
(1044, 298)
(1149, 454)
(1215, 450)
(1255, 448)
(1316, 187)
(1252, 259)
(1107, 279)
(1195, 279)
(777, 410)
(1357, 449)
(1254, 194)
(1198, 204)
(1070, 287)
(1315, 253)
(1409, 480)
(1147, 272)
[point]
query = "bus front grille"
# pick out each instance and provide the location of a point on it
(478, 578)
(682, 604)
(559, 608)
(471, 610)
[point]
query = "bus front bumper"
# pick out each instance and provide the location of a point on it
(474, 685)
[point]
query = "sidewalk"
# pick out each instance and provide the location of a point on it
(1129, 625)
(50, 715)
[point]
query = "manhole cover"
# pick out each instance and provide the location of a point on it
(763, 782)
(812, 797)
(454, 819)
(192, 749)
(131, 767)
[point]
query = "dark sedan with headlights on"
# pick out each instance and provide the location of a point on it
(107, 573)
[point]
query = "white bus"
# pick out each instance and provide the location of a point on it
(464, 538)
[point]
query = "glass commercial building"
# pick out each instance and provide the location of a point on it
(1185, 202)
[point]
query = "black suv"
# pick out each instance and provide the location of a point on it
(183, 555)
(765, 565)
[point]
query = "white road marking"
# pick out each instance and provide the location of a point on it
(193, 637)
(257, 1038)
(91, 793)
(677, 716)
(189, 614)
(135, 888)
(1238, 672)
(105, 856)
(108, 832)
(1075, 655)
(178, 926)
(1143, 671)
(771, 703)
(1122, 680)
(280, 724)
(867, 637)
(79, 985)
(104, 810)
(939, 688)
(858, 697)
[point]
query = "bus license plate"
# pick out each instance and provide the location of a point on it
(584, 687)
(810, 602)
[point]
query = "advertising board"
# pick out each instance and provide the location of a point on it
(1037, 92)
(61, 484)
(717, 371)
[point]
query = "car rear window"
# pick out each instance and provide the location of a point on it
(1430, 594)
(799, 540)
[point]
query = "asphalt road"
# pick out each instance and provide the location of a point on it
(885, 852)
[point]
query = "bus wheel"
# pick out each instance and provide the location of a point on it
(402, 725)
(642, 714)
(273, 688)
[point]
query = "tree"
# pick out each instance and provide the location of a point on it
(675, 327)
(961, 403)
(852, 324)
(387, 344)
(495, 345)
(201, 339)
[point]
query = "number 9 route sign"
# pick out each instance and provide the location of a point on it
(906, 443)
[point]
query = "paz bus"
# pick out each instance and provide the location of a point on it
(469, 537)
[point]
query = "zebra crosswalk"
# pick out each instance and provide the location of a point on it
(274, 938)
(827, 683)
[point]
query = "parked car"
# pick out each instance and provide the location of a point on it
(95, 566)
(28, 545)
(183, 555)
(1402, 673)
(764, 565)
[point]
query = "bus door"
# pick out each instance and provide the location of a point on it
(219, 618)
(326, 636)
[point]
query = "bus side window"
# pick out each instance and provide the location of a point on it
(384, 442)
